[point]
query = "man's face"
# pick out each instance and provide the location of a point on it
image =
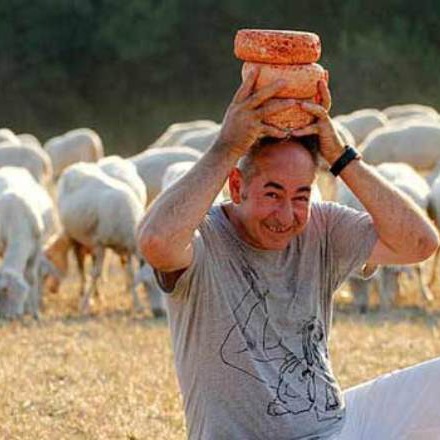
(274, 206)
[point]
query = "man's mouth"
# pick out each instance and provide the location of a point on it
(278, 229)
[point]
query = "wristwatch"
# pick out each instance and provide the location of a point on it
(350, 153)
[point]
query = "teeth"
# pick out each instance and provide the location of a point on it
(276, 229)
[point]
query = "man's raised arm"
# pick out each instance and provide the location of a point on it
(405, 234)
(166, 231)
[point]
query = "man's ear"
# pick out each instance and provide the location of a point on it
(235, 185)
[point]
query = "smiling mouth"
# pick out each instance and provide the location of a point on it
(278, 229)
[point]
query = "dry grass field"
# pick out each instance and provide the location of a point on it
(111, 375)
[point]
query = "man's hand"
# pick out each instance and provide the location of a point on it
(243, 121)
(330, 144)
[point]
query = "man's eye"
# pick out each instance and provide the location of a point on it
(302, 199)
(272, 195)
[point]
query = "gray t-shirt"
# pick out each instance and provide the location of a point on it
(250, 328)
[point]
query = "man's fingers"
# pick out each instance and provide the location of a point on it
(271, 131)
(315, 109)
(247, 85)
(265, 93)
(274, 106)
(324, 91)
(306, 131)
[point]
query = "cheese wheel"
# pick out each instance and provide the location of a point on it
(277, 47)
(292, 118)
(302, 79)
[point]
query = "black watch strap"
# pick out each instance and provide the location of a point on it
(350, 153)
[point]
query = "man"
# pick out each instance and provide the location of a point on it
(250, 282)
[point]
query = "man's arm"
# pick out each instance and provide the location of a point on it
(167, 230)
(405, 234)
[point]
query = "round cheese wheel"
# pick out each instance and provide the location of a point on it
(292, 118)
(302, 79)
(277, 47)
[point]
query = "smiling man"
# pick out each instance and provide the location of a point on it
(250, 281)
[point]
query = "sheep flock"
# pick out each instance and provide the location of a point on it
(64, 202)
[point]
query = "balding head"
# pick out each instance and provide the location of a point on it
(305, 151)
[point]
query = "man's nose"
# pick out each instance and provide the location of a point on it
(286, 213)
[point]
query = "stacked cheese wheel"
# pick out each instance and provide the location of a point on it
(288, 55)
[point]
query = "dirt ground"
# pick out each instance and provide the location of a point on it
(111, 375)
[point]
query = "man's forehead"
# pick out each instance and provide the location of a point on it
(286, 157)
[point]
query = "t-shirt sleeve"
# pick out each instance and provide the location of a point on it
(180, 289)
(351, 235)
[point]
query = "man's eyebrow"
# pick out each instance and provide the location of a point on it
(275, 185)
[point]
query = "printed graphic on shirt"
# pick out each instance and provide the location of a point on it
(301, 383)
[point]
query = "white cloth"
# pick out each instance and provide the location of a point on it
(403, 405)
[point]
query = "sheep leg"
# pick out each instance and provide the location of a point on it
(388, 287)
(360, 291)
(32, 277)
(80, 258)
(129, 273)
(424, 289)
(433, 279)
(96, 273)
(153, 290)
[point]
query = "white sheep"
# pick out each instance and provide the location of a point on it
(200, 139)
(29, 139)
(35, 160)
(405, 110)
(22, 183)
(416, 144)
(79, 145)
(410, 182)
(99, 212)
(125, 171)
(21, 233)
(119, 169)
(362, 122)
(152, 164)
(344, 133)
(7, 135)
(170, 137)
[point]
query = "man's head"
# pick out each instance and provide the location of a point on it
(271, 189)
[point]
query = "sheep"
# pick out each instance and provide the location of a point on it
(36, 161)
(126, 172)
(21, 233)
(411, 183)
(405, 110)
(145, 276)
(414, 119)
(416, 144)
(21, 182)
(99, 212)
(79, 145)
(29, 139)
(151, 165)
(115, 167)
(175, 131)
(344, 133)
(362, 122)
(200, 139)
(7, 135)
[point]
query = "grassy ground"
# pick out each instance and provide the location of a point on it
(111, 375)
